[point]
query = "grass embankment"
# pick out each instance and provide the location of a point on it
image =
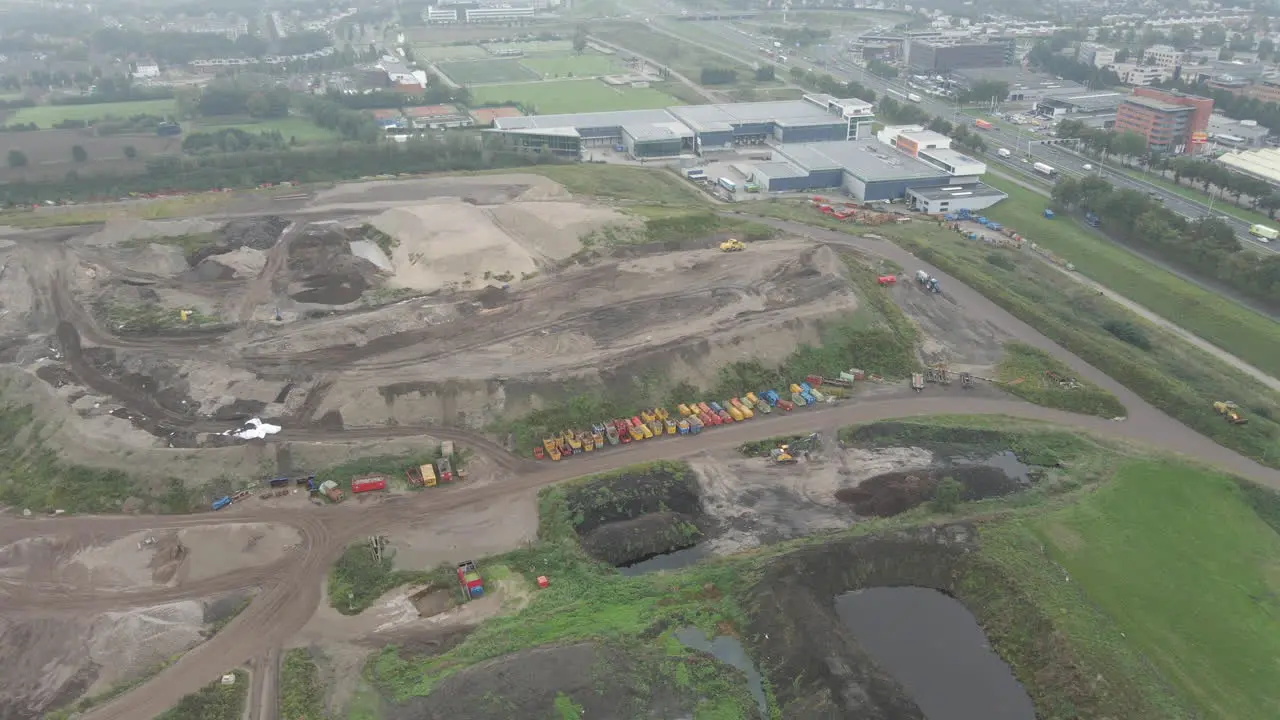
(674, 227)
(1175, 377)
(587, 600)
(643, 186)
(301, 693)
(46, 116)
(213, 702)
(877, 337)
(1036, 376)
(1135, 547)
(1232, 327)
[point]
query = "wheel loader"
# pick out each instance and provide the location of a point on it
(1230, 412)
(732, 245)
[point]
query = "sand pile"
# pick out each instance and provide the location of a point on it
(449, 242)
(445, 242)
(243, 262)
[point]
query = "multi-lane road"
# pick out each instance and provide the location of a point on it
(1026, 148)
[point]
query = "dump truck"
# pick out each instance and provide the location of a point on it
(732, 245)
(470, 581)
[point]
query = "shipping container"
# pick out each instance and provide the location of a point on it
(368, 483)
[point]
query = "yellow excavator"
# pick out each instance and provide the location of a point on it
(732, 245)
(1230, 412)
(781, 455)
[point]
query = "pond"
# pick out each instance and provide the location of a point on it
(728, 650)
(675, 560)
(932, 645)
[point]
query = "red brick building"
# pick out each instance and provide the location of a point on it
(1171, 122)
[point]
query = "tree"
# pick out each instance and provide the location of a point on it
(765, 73)
(947, 495)
(580, 39)
(17, 159)
(1213, 35)
(78, 153)
(130, 152)
(1129, 145)
(1266, 49)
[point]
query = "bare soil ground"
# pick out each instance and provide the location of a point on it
(50, 661)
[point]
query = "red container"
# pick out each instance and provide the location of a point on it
(704, 407)
(813, 380)
(709, 420)
(725, 417)
(543, 582)
(786, 405)
(539, 453)
(368, 484)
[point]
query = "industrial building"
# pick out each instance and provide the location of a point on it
(952, 198)
(1024, 85)
(940, 56)
(438, 117)
(1263, 164)
(1238, 134)
(1171, 122)
(687, 130)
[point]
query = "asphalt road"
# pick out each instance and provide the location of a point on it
(292, 589)
(1023, 145)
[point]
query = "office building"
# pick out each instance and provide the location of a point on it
(936, 56)
(1171, 122)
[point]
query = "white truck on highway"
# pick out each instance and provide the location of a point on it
(1004, 152)
(914, 97)
(1263, 233)
(1043, 169)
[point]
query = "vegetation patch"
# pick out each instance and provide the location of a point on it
(148, 319)
(1161, 526)
(384, 241)
(1036, 376)
(301, 693)
(364, 573)
(643, 186)
(551, 97)
(213, 702)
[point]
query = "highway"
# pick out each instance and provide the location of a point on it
(1027, 147)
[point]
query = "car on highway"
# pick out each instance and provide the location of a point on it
(1087, 166)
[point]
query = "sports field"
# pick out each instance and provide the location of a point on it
(570, 96)
(480, 72)
(437, 53)
(588, 64)
(534, 47)
(291, 127)
(1189, 572)
(46, 116)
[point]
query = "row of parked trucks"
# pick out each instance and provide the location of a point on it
(691, 418)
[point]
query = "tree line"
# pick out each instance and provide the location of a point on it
(342, 161)
(1205, 247)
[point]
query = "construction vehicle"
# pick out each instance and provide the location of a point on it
(470, 581)
(781, 455)
(1230, 412)
(732, 245)
(927, 281)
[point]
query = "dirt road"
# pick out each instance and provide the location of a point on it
(291, 589)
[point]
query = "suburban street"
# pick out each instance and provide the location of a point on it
(1027, 147)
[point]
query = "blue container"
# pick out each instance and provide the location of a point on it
(221, 502)
(695, 429)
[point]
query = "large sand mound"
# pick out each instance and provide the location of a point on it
(446, 242)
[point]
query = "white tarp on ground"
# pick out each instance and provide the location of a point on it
(255, 429)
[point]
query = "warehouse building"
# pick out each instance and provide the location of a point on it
(688, 130)
(953, 198)
(863, 168)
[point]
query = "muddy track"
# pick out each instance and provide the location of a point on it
(259, 290)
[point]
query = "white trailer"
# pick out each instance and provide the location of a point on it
(1003, 152)
(1043, 169)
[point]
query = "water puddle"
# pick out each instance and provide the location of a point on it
(1006, 462)
(676, 560)
(728, 650)
(371, 252)
(933, 646)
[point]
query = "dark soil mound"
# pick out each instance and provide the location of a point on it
(601, 681)
(897, 492)
(630, 541)
(632, 492)
(323, 270)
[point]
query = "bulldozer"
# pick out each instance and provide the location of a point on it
(1230, 412)
(732, 245)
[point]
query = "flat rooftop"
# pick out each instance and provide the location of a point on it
(657, 131)
(617, 118)
(950, 192)
(1263, 163)
(867, 160)
(1020, 79)
(1156, 104)
(926, 137)
(778, 169)
(710, 118)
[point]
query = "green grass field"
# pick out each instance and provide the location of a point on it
(437, 53)
(1191, 575)
(477, 72)
(588, 64)
(45, 116)
(535, 47)
(1246, 334)
(303, 129)
(571, 96)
